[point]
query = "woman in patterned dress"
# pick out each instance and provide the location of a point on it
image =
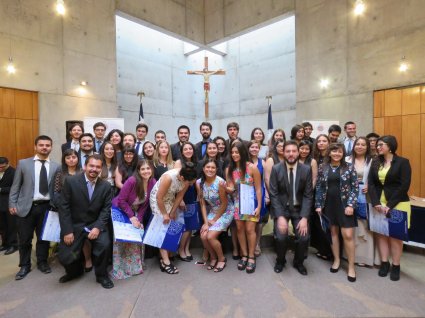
(165, 198)
(217, 212)
(241, 171)
(133, 200)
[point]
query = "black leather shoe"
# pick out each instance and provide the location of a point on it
(351, 279)
(3, 248)
(22, 273)
(384, 269)
(395, 272)
(278, 267)
(301, 269)
(11, 250)
(105, 282)
(66, 278)
(44, 268)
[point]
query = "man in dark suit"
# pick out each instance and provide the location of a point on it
(99, 130)
(86, 148)
(7, 220)
(84, 214)
(291, 197)
(183, 133)
(201, 147)
(75, 131)
(29, 199)
(233, 133)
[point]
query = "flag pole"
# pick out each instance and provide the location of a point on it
(141, 94)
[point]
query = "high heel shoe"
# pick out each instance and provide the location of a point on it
(168, 268)
(351, 279)
(334, 270)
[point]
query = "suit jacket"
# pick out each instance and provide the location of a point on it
(396, 185)
(198, 149)
(228, 142)
(22, 191)
(175, 151)
(5, 184)
(76, 211)
(349, 187)
(65, 146)
(279, 190)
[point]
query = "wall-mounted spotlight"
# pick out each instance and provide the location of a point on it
(84, 83)
(11, 67)
(359, 7)
(404, 66)
(324, 83)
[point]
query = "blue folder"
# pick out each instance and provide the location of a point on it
(192, 220)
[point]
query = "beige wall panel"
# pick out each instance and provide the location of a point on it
(392, 102)
(410, 148)
(378, 103)
(411, 101)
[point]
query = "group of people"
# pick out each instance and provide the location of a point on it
(301, 181)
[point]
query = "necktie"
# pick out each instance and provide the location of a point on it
(43, 185)
(204, 148)
(85, 159)
(350, 146)
(138, 147)
(90, 189)
(98, 145)
(291, 188)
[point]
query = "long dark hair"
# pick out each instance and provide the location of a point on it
(243, 153)
(194, 158)
(295, 130)
(66, 153)
(223, 155)
(368, 157)
(252, 135)
(217, 156)
(127, 169)
(119, 132)
(140, 190)
(335, 146)
(307, 143)
(203, 177)
(316, 152)
(273, 153)
(114, 162)
(391, 141)
(143, 150)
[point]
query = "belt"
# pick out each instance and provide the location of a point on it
(39, 202)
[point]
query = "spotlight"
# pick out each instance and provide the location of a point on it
(10, 67)
(84, 83)
(324, 83)
(403, 67)
(359, 7)
(60, 7)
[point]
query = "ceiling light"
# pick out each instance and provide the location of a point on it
(324, 83)
(359, 7)
(60, 7)
(404, 66)
(10, 67)
(84, 83)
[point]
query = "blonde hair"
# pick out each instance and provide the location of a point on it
(169, 159)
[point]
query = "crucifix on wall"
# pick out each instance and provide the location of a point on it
(206, 74)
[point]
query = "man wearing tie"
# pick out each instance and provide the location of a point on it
(29, 199)
(291, 197)
(84, 214)
(141, 133)
(86, 148)
(99, 130)
(350, 137)
(201, 147)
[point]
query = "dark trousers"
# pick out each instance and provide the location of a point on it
(301, 242)
(26, 226)
(71, 256)
(8, 229)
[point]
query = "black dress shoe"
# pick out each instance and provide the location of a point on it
(3, 248)
(351, 279)
(384, 269)
(11, 250)
(301, 269)
(66, 278)
(278, 267)
(44, 268)
(88, 269)
(22, 273)
(105, 282)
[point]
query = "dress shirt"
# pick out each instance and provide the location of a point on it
(75, 145)
(347, 143)
(83, 157)
(37, 168)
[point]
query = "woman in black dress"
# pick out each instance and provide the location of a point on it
(336, 196)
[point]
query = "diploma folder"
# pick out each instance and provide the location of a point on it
(165, 236)
(124, 231)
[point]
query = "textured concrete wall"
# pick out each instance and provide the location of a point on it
(357, 54)
(53, 54)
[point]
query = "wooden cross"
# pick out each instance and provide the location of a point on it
(206, 74)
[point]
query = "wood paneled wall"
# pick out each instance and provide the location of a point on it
(401, 112)
(18, 123)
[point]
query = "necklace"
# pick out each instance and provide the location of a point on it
(334, 168)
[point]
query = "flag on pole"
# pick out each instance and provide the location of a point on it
(141, 117)
(269, 123)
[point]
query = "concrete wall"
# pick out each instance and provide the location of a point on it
(358, 55)
(257, 64)
(53, 54)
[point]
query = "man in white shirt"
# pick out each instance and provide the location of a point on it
(141, 133)
(350, 137)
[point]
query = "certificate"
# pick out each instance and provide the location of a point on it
(246, 199)
(165, 236)
(51, 227)
(190, 217)
(395, 226)
(124, 231)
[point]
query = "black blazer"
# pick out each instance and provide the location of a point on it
(175, 151)
(198, 149)
(5, 184)
(279, 190)
(65, 146)
(396, 185)
(76, 211)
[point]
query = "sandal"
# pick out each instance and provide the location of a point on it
(212, 266)
(242, 263)
(168, 268)
(250, 267)
(219, 269)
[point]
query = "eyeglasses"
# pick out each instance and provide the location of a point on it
(380, 145)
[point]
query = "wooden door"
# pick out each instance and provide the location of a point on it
(18, 123)
(401, 112)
